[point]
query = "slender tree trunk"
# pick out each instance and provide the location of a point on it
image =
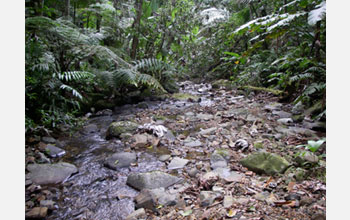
(88, 20)
(66, 11)
(98, 20)
(136, 25)
(42, 8)
(74, 12)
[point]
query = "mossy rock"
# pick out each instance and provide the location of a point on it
(159, 118)
(264, 162)
(315, 109)
(117, 128)
(298, 118)
(225, 153)
(258, 144)
(185, 96)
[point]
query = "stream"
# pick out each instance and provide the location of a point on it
(98, 192)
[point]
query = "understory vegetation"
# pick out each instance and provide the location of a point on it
(84, 56)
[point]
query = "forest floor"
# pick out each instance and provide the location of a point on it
(200, 137)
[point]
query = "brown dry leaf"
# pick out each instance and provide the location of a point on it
(283, 202)
(268, 181)
(249, 173)
(290, 186)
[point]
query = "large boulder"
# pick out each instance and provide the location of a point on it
(264, 162)
(117, 128)
(120, 160)
(50, 173)
(151, 180)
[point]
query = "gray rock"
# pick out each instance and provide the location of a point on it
(294, 131)
(192, 172)
(229, 176)
(163, 198)
(48, 140)
(91, 128)
(282, 114)
(50, 173)
(299, 108)
(264, 162)
(241, 144)
(164, 157)
(195, 143)
(207, 198)
(48, 203)
(228, 201)
(137, 214)
(120, 160)
(169, 135)
(141, 140)
(115, 129)
(145, 200)
(306, 157)
(43, 158)
(208, 131)
(273, 106)
(151, 180)
(37, 213)
(177, 163)
(216, 161)
(205, 117)
(285, 121)
(316, 126)
(53, 151)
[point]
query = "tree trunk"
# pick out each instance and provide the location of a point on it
(42, 8)
(66, 11)
(74, 12)
(136, 25)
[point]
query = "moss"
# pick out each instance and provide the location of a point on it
(273, 91)
(120, 127)
(185, 96)
(223, 152)
(159, 117)
(298, 118)
(258, 144)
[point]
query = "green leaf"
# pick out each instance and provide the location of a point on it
(186, 213)
(314, 145)
(231, 54)
(116, 161)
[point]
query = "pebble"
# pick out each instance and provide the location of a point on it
(37, 212)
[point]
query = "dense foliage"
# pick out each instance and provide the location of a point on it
(84, 54)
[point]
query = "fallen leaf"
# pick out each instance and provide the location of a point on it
(116, 162)
(290, 186)
(186, 213)
(231, 213)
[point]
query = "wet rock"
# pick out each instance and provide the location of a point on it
(91, 128)
(137, 214)
(185, 97)
(115, 129)
(28, 182)
(285, 121)
(164, 157)
(207, 198)
(50, 173)
(48, 140)
(53, 151)
(177, 163)
(228, 201)
(298, 118)
(43, 158)
(294, 131)
(163, 198)
(37, 213)
(151, 180)
(205, 117)
(316, 126)
(145, 200)
(104, 112)
(282, 114)
(195, 143)
(120, 160)
(264, 162)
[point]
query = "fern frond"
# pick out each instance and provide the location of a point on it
(149, 81)
(301, 77)
(74, 92)
(74, 75)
